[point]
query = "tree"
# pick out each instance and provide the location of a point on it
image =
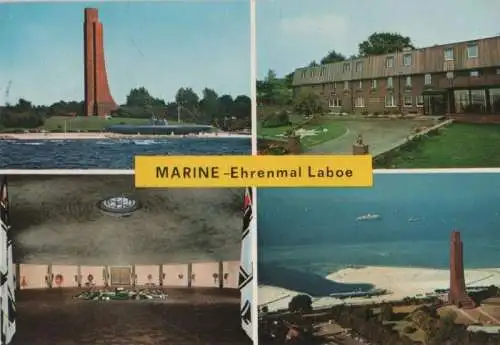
(242, 107)
(187, 98)
(313, 64)
(384, 43)
(209, 105)
(309, 102)
(332, 56)
(226, 105)
(300, 303)
(278, 119)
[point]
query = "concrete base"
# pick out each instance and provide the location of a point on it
(360, 149)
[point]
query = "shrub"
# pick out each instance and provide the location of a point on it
(365, 113)
(278, 119)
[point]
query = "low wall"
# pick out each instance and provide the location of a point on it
(481, 119)
(221, 274)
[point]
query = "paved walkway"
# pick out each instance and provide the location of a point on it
(381, 135)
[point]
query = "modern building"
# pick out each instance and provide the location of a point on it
(455, 78)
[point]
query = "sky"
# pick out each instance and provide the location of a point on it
(292, 33)
(159, 45)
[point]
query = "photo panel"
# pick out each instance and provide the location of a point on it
(91, 87)
(413, 260)
(91, 259)
(409, 94)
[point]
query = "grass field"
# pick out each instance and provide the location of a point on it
(459, 145)
(332, 131)
(87, 123)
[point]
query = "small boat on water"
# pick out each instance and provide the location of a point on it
(414, 220)
(369, 216)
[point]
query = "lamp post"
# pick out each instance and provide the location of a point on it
(450, 75)
(400, 96)
(179, 108)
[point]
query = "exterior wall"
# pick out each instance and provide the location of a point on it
(231, 271)
(203, 274)
(176, 275)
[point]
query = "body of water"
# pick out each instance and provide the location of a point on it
(315, 231)
(109, 153)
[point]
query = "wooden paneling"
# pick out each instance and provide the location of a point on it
(425, 60)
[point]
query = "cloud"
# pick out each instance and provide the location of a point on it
(322, 26)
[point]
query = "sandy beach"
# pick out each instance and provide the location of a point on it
(103, 135)
(400, 281)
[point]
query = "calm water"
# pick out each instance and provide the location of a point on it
(315, 232)
(108, 154)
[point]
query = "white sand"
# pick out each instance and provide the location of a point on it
(97, 136)
(400, 281)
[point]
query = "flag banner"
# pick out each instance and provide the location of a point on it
(246, 265)
(7, 283)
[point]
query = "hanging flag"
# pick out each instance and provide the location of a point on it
(246, 265)
(7, 283)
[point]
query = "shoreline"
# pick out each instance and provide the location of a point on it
(111, 136)
(400, 281)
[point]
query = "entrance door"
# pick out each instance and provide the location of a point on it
(434, 105)
(120, 276)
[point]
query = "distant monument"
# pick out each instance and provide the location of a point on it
(458, 294)
(98, 99)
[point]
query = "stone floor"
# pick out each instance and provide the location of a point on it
(188, 316)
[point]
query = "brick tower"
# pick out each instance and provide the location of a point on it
(458, 294)
(98, 99)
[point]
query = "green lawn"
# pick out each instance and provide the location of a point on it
(87, 123)
(333, 130)
(457, 146)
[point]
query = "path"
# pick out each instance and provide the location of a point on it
(381, 135)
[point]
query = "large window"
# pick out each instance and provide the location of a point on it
(389, 62)
(420, 101)
(448, 54)
(390, 83)
(428, 79)
(408, 101)
(335, 102)
(472, 51)
(360, 102)
(495, 100)
(389, 101)
(462, 100)
(407, 60)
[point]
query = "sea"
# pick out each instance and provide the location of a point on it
(109, 153)
(305, 234)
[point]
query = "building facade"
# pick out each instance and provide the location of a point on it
(455, 78)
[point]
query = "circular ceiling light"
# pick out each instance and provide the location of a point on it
(119, 205)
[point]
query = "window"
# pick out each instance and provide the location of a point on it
(420, 101)
(323, 71)
(347, 67)
(408, 81)
(474, 73)
(498, 71)
(407, 60)
(360, 84)
(389, 62)
(472, 51)
(427, 79)
(346, 85)
(448, 54)
(311, 73)
(303, 74)
(389, 101)
(408, 101)
(335, 102)
(389, 83)
(360, 102)
(359, 66)
(374, 84)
